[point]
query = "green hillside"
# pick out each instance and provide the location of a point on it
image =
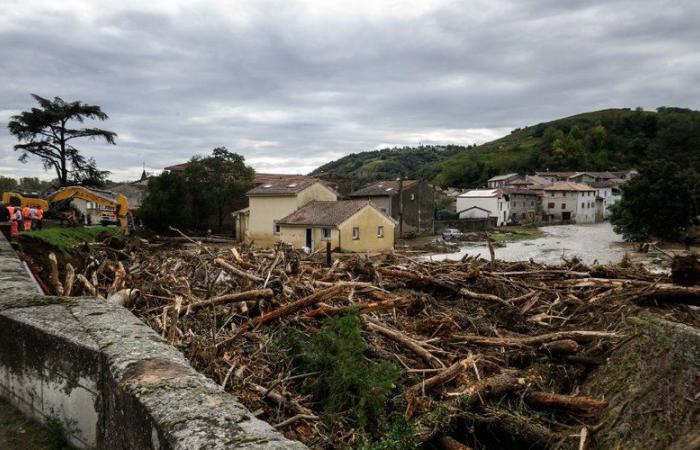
(612, 139)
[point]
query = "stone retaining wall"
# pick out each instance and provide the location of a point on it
(108, 379)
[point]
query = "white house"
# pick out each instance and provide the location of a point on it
(480, 203)
(608, 192)
(569, 202)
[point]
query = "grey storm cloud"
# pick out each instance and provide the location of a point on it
(291, 85)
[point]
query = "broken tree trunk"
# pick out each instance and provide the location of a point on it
(255, 294)
(53, 275)
(237, 271)
(487, 387)
(406, 341)
(443, 377)
(578, 336)
(580, 404)
(298, 305)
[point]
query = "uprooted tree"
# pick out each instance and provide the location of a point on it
(46, 132)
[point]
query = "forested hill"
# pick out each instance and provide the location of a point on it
(612, 139)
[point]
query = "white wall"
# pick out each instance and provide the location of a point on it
(497, 207)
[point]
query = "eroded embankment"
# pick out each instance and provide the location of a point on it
(396, 353)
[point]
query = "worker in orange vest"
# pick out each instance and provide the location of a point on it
(39, 216)
(27, 218)
(14, 225)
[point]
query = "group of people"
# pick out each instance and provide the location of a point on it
(25, 218)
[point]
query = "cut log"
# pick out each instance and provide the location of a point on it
(578, 404)
(255, 294)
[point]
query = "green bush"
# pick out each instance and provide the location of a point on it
(396, 435)
(348, 381)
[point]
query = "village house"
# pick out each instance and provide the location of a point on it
(349, 226)
(524, 205)
(273, 200)
(500, 181)
(484, 204)
(527, 182)
(609, 193)
(410, 202)
(564, 201)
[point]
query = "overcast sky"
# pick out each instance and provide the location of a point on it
(294, 84)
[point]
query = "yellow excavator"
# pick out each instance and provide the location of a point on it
(60, 199)
(23, 199)
(58, 203)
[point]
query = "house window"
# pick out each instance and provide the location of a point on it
(355, 233)
(550, 205)
(532, 203)
(563, 206)
(380, 231)
(583, 205)
(276, 229)
(326, 234)
(551, 194)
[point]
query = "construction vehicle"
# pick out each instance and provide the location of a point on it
(23, 199)
(59, 201)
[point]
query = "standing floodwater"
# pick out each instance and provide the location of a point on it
(594, 242)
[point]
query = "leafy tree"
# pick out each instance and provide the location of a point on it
(46, 132)
(210, 188)
(7, 184)
(218, 183)
(164, 203)
(662, 201)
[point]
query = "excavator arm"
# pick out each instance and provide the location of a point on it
(119, 203)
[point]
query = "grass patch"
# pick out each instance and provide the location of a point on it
(66, 238)
(519, 235)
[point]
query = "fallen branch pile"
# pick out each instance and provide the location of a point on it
(482, 346)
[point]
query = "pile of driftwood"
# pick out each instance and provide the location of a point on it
(491, 353)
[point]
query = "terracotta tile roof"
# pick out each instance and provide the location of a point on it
(324, 213)
(382, 188)
(282, 186)
(568, 186)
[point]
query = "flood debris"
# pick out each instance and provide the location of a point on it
(448, 354)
